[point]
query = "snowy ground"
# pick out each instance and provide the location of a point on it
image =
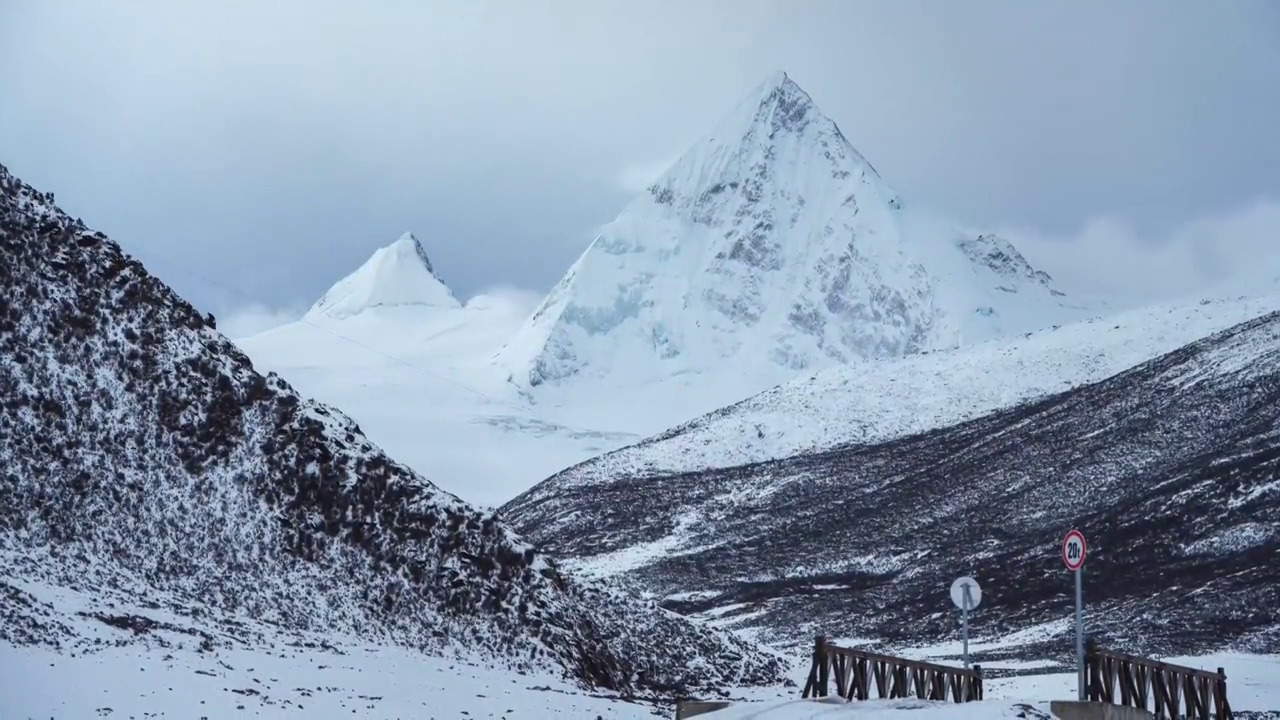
(181, 667)
(136, 681)
(186, 668)
(189, 666)
(351, 681)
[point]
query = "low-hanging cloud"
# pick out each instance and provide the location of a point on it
(507, 298)
(246, 320)
(1234, 250)
(637, 177)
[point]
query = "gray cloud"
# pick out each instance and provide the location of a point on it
(252, 153)
(1236, 251)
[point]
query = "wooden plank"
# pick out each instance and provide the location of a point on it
(841, 664)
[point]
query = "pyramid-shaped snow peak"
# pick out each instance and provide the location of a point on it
(771, 247)
(771, 242)
(398, 274)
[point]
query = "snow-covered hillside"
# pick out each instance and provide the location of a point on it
(147, 465)
(773, 248)
(1171, 469)
(872, 401)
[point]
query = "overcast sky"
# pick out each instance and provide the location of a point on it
(270, 145)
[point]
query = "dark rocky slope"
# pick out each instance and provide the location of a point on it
(1172, 470)
(141, 456)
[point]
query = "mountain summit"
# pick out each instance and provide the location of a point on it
(771, 246)
(398, 274)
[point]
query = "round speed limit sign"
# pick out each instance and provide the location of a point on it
(1073, 550)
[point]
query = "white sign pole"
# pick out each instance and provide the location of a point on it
(1080, 632)
(967, 595)
(1073, 552)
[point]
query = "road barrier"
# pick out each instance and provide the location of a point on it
(857, 672)
(1173, 691)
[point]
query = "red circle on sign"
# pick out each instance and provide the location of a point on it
(1073, 563)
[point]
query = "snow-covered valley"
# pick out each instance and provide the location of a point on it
(770, 399)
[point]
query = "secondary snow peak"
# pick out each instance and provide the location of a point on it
(398, 274)
(409, 243)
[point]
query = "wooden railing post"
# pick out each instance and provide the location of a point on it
(823, 658)
(977, 681)
(1220, 705)
(819, 671)
(1092, 671)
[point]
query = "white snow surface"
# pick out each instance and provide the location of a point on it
(771, 248)
(870, 401)
(262, 672)
(417, 380)
(259, 671)
(398, 274)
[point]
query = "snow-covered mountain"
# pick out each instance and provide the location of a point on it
(1171, 469)
(772, 248)
(147, 466)
(397, 275)
(393, 347)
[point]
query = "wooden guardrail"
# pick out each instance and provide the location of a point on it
(857, 671)
(1174, 691)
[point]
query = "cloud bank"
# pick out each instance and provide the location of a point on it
(1236, 250)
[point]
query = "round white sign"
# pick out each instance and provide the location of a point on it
(966, 586)
(1073, 550)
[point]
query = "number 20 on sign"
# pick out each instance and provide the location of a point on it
(1073, 549)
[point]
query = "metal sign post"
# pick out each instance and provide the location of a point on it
(1073, 552)
(966, 594)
